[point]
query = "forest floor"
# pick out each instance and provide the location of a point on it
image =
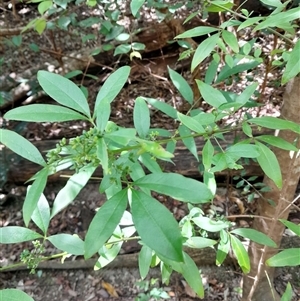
(149, 78)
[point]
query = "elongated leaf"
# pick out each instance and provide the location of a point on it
(63, 91)
(255, 236)
(11, 294)
(105, 222)
(21, 146)
(43, 113)
(278, 142)
(177, 186)
(71, 189)
(240, 253)
(276, 123)
(15, 234)
(41, 214)
(156, 150)
(182, 85)
(207, 154)
(288, 294)
(189, 142)
(292, 68)
(135, 6)
(196, 32)
(243, 150)
(191, 123)
(204, 50)
(199, 242)
(122, 136)
(210, 225)
(102, 114)
(156, 226)
(293, 227)
(145, 257)
(269, 164)
(141, 117)
(112, 86)
(102, 154)
(231, 40)
(211, 95)
(149, 163)
(223, 250)
(244, 97)
(34, 193)
(163, 107)
(71, 244)
(249, 22)
(288, 257)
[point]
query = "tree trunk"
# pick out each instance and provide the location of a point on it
(258, 284)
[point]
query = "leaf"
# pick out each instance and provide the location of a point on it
(11, 294)
(276, 123)
(108, 253)
(44, 6)
(207, 154)
(122, 136)
(43, 113)
(211, 95)
(293, 227)
(189, 142)
(74, 185)
(135, 6)
(149, 163)
(209, 224)
(63, 91)
(156, 150)
(177, 186)
(288, 294)
(223, 250)
(249, 22)
(182, 86)
(240, 253)
(191, 123)
(255, 236)
(15, 234)
(40, 25)
(292, 68)
(247, 129)
(269, 164)
(145, 257)
(231, 40)
(102, 114)
(244, 97)
(41, 214)
(199, 242)
(71, 244)
(102, 154)
(204, 50)
(34, 193)
(278, 142)
(243, 150)
(141, 117)
(219, 6)
(156, 226)
(163, 107)
(105, 222)
(21, 146)
(113, 85)
(288, 257)
(196, 32)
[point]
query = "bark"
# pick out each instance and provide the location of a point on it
(258, 284)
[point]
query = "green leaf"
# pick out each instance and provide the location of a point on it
(199, 242)
(44, 6)
(155, 149)
(41, 214)
(210, 225)
(249, 22)
(11, 294)
(74, 185)
(34, 193)
(191, 123)
(240, 253)
(182, 85)
(204, 50)
(43, 113)
(223, 250)
(15, 234)
(278, 142)
(141, 117)
(211, 72)
(219, 6)
(21, 146)
(105, 222)
(247, 129)
(102, 114)
(276, 123)
(269, 164)
(156, 226)
(71, 244)
(145, 258)
(292, 68)
(40, 25)
(63, 91)
(177, 186)
(231, 40)
(102, 154)
(135, 6)
(293, 227)
(288, 294)
(121, 49)
(244, 97)
(207, 154)
(255, 236)
(288, 257)
(211, 95)
(243, 150)
(196, 32)
(122, 136)
(189, 142)
(162, 106)
(113, 85)
(150, 163)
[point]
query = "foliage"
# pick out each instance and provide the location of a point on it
(150, 291)
(130, 157)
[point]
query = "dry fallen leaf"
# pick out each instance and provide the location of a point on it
(110, 289)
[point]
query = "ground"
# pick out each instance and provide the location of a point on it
(148, 78)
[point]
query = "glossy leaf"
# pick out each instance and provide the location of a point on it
(288, 257)
(163, 107)
(199, 242)
(210, 225)
(74, 185)
(21, 146)
(269, 164)
(231, 40)
(43, 113)
(105, 222)
(196, 32)
(292, 226)
(135, 6)
(177, 186)
(189, 142)
(11, 294)
(71, 244)
(41, 214)
(292, 67)
(15, 234)
(63, 91)
(141, 117)
(145, 257)
(182, 85)
(191, 123)
(240, 253)
(102, 114)
(34, 193)
(278, 142)
(243, 151)
(156, 226)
